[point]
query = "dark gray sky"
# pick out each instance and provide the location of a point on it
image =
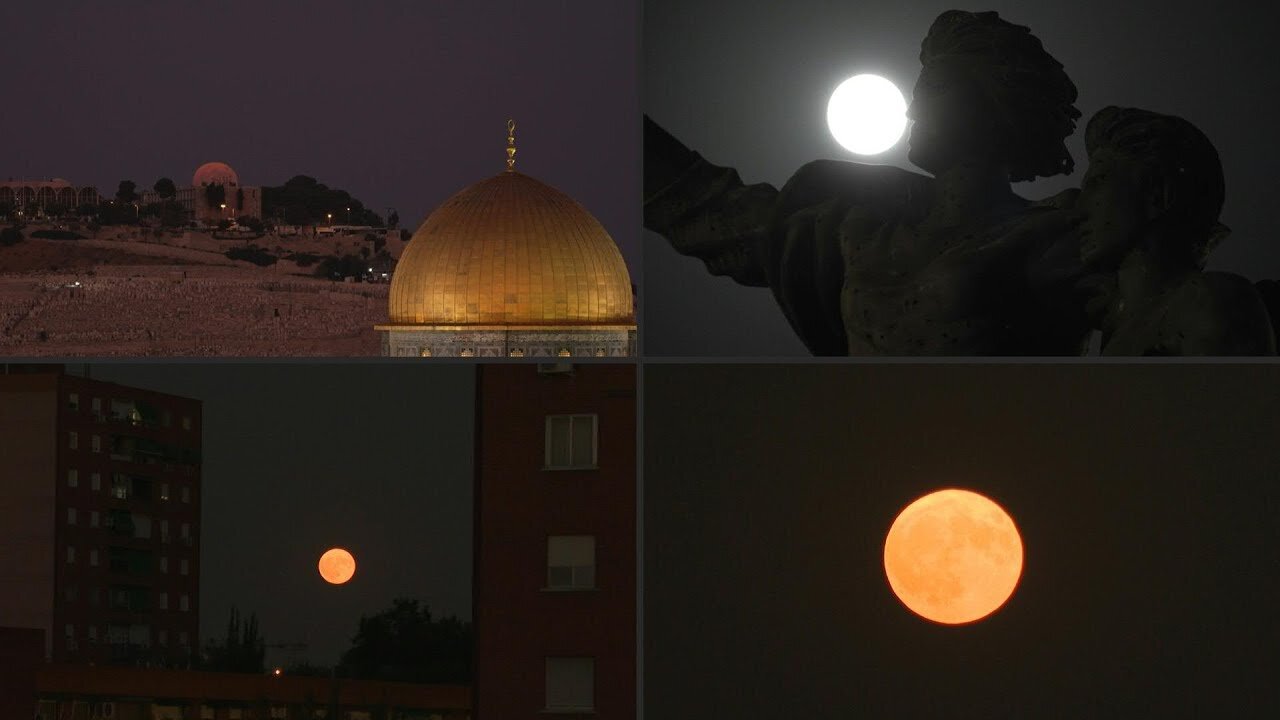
(1146, 497)
(746, 83)
(376, 458)
(400, 103)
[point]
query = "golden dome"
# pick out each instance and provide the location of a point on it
(511, 250)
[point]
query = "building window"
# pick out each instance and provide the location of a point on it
(162, 637)
(184, 566)
(71, 631)
(206, 712)
(164, 564)
(93, 557)
(73, 440)
(73, 401)
(93, 518)
(571, 684)
(96, 406)
(71, 554)
(96, 443)
(571, 562)
(166, 419)
(164, 491)
(95, 481)
(571, 442)
(164, 601)
(119, 487)
(186, 494)
(186, 531)
(184, 604)
(71, 516)
(73, 478)
(186, 422)
(233, 713)
(93, 634)
(70, 593)
(183, 638)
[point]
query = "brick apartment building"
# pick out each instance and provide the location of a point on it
(555, 541)
(101, 523)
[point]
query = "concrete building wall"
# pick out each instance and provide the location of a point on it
(28, 428)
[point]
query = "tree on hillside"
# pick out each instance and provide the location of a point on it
(215, 194)
(405, 644)
(165, 188)
(127, 192)
(241, 651)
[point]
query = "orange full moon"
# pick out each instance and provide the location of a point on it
(337, 566)
(953, 556)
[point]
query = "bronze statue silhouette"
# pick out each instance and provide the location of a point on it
(876, 260)
(1149, 205)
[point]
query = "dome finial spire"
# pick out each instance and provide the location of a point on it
(511, 145)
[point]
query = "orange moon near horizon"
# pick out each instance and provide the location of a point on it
(337, 566)
(953, 556)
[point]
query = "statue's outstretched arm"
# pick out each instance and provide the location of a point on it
(705, 211)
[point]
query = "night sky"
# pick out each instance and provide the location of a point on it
(400, 103)
(746, 83)
(300, 458)
(1146, 497)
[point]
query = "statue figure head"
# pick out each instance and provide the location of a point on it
(989, 91)
(1153, 181)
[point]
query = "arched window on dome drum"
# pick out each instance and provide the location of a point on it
(516, 352)
(468, 352)
(564, 352)
(426, 352)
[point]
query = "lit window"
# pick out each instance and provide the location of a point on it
(164, 491)
(182, 638)
(571, 562)
(73, 440)
(73, 478)
(96, 442)
(73, 401)
(467, 352)
(93, 518)
(96, 406)
(571, 684)
(93, 633)
(71, 554)
(95, 481)
(166, 419)
(186, 422)
(571, 441)
(71, 516)
(563, 352)
(233, 713)
(186, 531)
(164, 601)
(186, 494)
(164, 564)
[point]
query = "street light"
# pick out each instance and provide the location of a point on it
(348, 216)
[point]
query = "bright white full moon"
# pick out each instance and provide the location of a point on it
(867, 114)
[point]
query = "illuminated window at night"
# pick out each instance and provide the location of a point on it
(186, 494)
(73, 478)
(73, 401)
(186, 422)
(468, 352)
(184, 604)
(73, 440)
(571, 442)
(95, 481)
(164, 491)
(164, 564)
(571, 562)
(71, 516)
(71, 554)
(164, 601)
(571, 683)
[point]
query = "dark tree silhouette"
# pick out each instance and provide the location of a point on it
(127, 192)
(405, 644)
(165, 188)
(242, 651)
